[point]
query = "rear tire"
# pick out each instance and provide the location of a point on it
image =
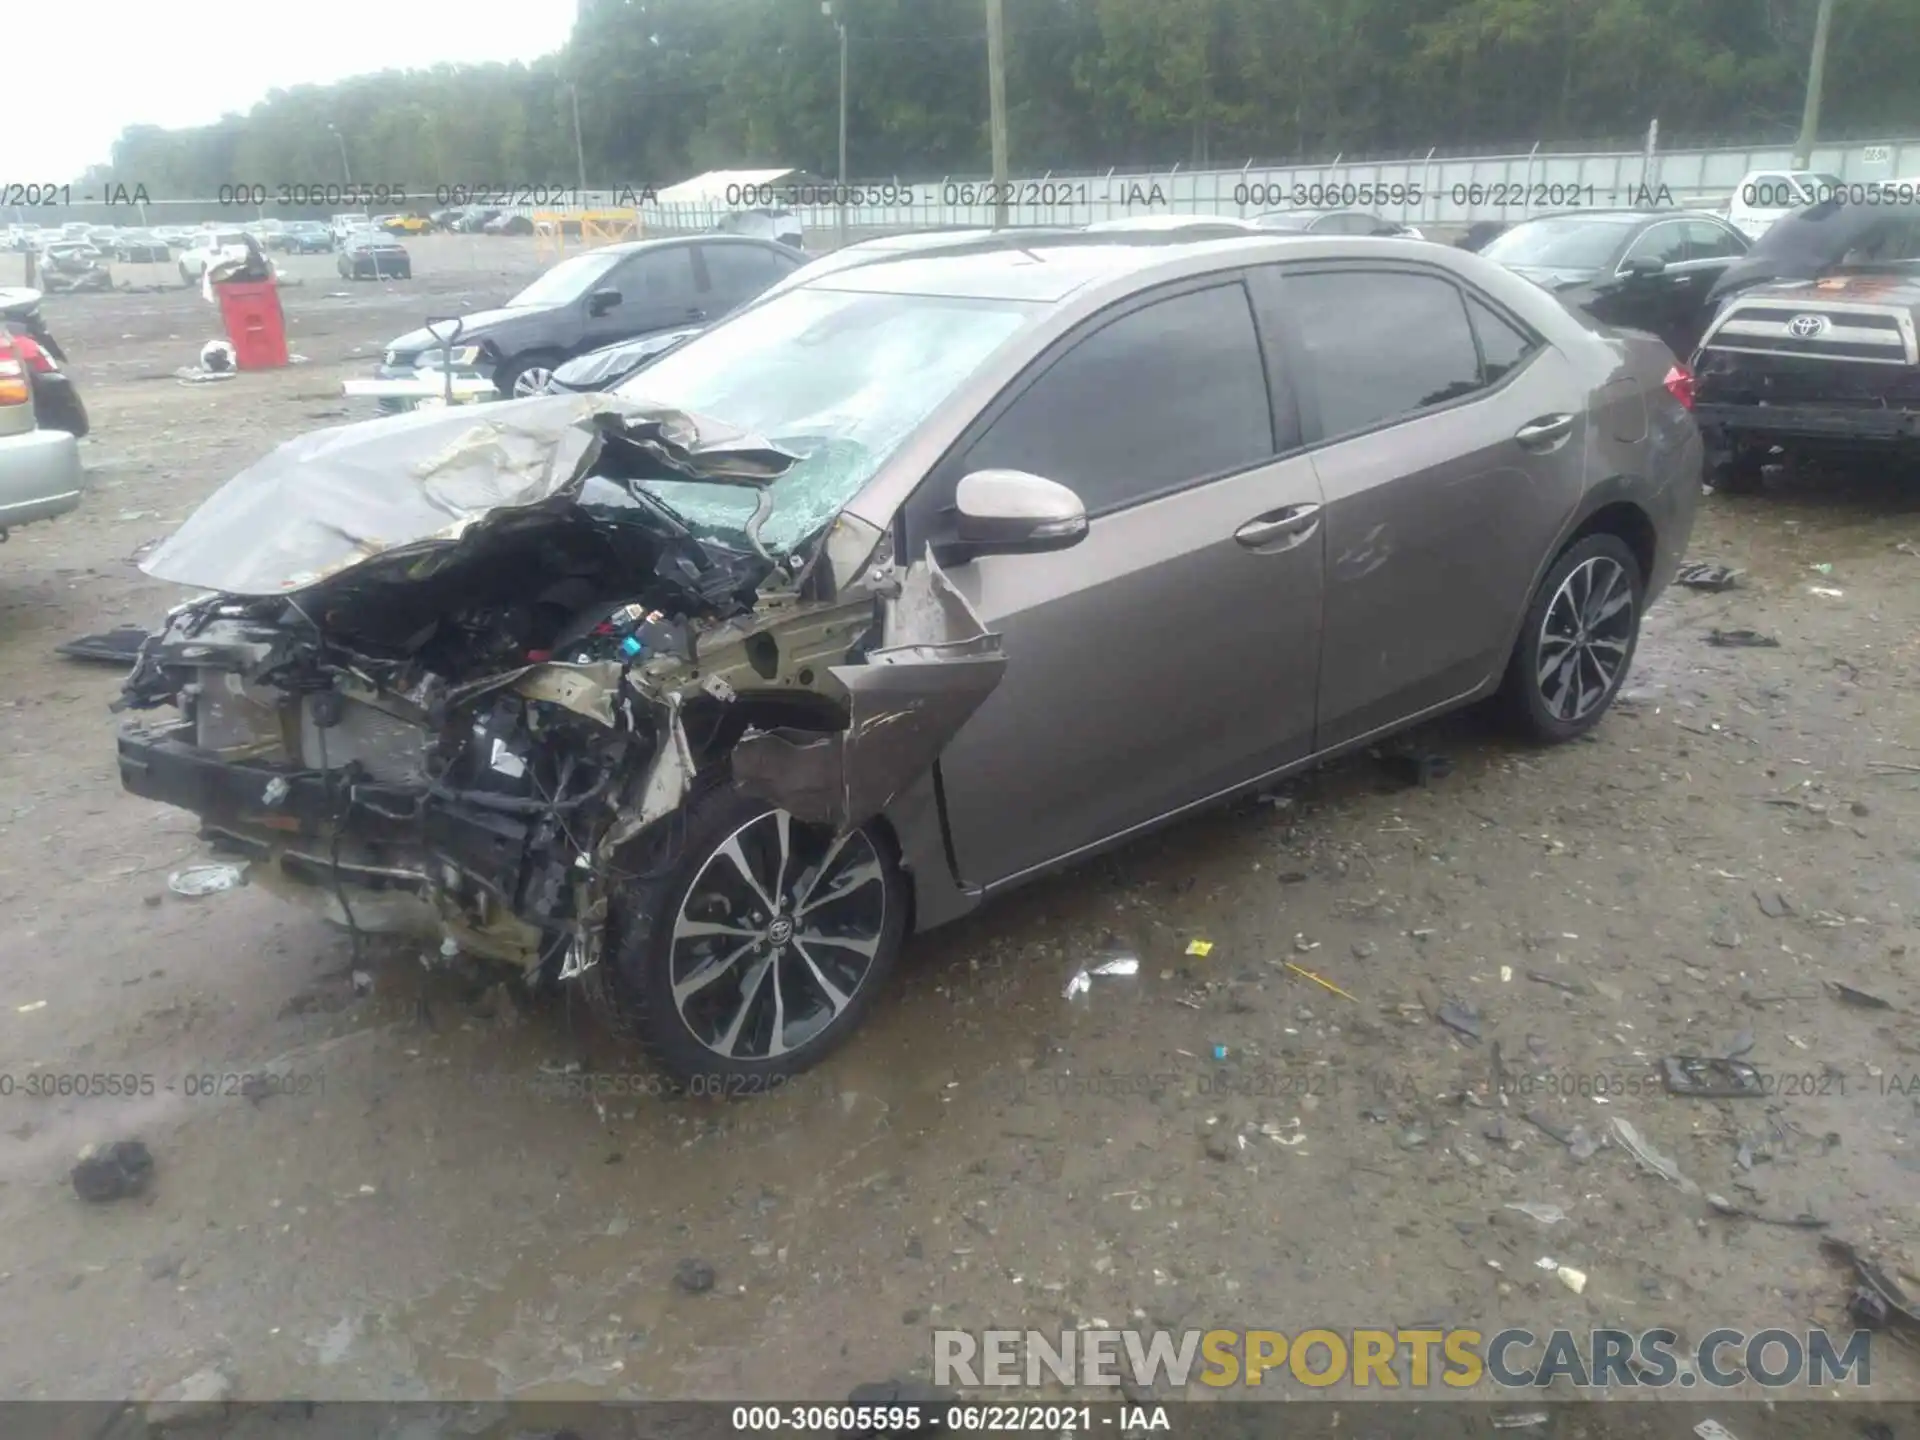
(675, 915)
(1576, 644)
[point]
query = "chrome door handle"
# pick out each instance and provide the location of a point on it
(1539, 434)
(1295, 522)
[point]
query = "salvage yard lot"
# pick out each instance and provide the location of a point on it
(434, 1203)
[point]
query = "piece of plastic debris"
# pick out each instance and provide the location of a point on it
(1826, 592)
(1574, 1280)
(1524, 1420)
(1802, 1221)
(1742, 640)
(1459, 1018)
(275, 792)
(1219, 1052)
(1201, 948)
(1651, 1158)
(1535, 1210)
(1323, 984)
(1119, 965)
(1506, 974)
(1847, 995)
(1821, 568)
(112, 1172)
(1878, 1302)
(1701, 576)
(198, 880)
(30, 1007)
(1704, 1077)
(1581, 1145)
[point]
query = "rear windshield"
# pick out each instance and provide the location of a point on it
(1836, 233)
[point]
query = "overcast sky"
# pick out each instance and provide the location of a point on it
(153, 62)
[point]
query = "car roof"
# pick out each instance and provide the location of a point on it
(637, 247)
(1124, 223)
(1622, 216)
(1050, 272)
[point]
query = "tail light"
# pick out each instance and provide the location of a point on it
(1679, 383)
(13, 373)
(33, 356)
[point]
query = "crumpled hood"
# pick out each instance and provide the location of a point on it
(472, 327)
(338, 498)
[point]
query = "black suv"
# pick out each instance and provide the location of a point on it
(1813, 346)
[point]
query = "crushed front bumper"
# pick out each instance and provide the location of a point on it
(406, 858)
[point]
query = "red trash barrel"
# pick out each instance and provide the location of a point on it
(250, 310)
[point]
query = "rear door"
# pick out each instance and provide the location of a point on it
(1172, 653)
(1447, 440)
(739, 273)
(659, 289)
(1711, 248)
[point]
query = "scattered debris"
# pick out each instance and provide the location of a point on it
(1826, 592)
(112, 1172)
(1200, 948)
(198, 880)
(112, 647)
(1574, 1280)
(1713, 1430)
(1651, 1158)
(1534, 1210)
(1847, 995)
(1571, 987)
(1524, 1420)
(1323, 984)
(1702, 1077)
(1741, 640)
(29, 1007)
(1773, 904)
(1878, 1302)
(695, 1277)
(1700, 576)
(1742, 1043)
(1802, 1221)
(362, 983)
(1581, 1145)
(1082, 980)
(1459, 1018)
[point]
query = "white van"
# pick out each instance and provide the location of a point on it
(1765, 195)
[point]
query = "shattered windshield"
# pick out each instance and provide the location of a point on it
(836, 377)
(568, 280)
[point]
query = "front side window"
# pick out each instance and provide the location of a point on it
(658, 277)
(1379, 344)
(1664, 243)
(1167, 394)
(1707, 241)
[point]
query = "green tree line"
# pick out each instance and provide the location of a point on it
(668, 88)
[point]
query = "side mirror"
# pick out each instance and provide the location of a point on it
(1644, 265)
(1009, 512)
(601, 301)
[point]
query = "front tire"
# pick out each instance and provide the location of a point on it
(525, 375)
(729, 994)
(1577, 641)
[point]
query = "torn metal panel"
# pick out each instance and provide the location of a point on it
(337, 498)
(939, 665)
(587, 690)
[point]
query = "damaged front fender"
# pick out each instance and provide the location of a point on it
(937, 664)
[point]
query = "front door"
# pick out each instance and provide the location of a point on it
(1448, 440)
(659, 290)
(1170, 654)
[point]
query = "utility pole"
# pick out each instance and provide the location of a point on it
(840, 198)
(1816, 75)
(997, 108)
(345, 168)
(579, 150)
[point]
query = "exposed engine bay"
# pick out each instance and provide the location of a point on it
(456, 665)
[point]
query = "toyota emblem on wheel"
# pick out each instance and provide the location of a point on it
(1806, 327)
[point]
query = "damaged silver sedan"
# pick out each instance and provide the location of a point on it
(707, 693)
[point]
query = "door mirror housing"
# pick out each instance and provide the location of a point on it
(1643, 265)
(601, 301)
(1009, 512)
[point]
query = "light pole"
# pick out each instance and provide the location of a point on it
(826, 8)
(997, 108)
(1816, 75)
(345, 168)
(579, 150)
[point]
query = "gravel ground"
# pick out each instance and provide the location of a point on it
(428, 1214)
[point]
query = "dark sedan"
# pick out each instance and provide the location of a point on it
(368, 255)
(1647, 270)
(306, 237)
(1335, 222)
(595, 299)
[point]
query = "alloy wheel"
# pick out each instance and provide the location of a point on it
(532, 381)
(1585, 638)
(776, 936)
